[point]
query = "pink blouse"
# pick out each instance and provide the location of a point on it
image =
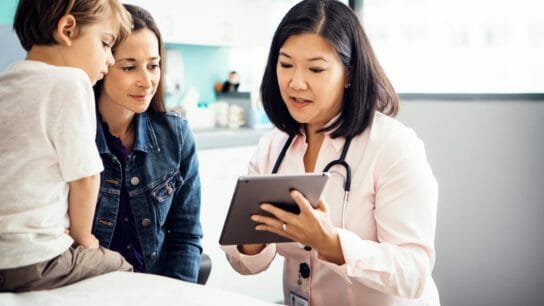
(388, 242)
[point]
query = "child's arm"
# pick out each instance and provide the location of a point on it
(81, 206)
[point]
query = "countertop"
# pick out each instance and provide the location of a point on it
(221, 138)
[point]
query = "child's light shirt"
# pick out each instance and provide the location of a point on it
(47, 132)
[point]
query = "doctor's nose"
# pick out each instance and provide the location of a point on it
(298, 82)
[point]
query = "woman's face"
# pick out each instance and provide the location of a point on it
(311, 78)
(133, 80)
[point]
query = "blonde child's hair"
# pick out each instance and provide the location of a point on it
(36, 21)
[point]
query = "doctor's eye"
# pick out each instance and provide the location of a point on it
(285, 65)
(316, 69)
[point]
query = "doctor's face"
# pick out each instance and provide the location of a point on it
(133, 80)
(311, 78)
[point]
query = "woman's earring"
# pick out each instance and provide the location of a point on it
(347, 85)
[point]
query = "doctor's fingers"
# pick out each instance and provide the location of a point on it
(307, 210)
(301, 201)
(322, 206)
(282, 215)
(284, 221)
(295, 231)
(304, 232)
(268, 221)
(281, 230)
(273, 225)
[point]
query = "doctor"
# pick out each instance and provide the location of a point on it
(370, 241)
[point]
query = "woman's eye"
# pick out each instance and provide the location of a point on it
(285, 65)
(128, 68)
(154, 66)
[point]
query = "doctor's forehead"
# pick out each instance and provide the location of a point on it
(308, 46)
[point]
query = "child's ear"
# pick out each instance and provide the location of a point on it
(66, 30)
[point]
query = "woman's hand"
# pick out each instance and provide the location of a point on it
(312, 227)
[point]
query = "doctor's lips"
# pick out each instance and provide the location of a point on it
(299, 102)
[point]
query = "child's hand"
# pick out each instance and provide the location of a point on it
(89, 242)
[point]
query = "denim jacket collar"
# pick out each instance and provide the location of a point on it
(145, 138)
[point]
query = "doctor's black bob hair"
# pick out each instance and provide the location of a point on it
(369, 89)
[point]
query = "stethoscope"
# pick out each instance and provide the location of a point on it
(304, 268)
(338, 162)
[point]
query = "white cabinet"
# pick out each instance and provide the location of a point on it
(219, 169)
(217, 22)
(193, 22)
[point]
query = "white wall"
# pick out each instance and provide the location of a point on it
(488, 160)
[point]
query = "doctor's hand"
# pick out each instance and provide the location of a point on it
(312, 227)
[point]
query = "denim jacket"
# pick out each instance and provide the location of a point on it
(164, 190)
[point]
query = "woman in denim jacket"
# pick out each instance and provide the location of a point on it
(149, 202)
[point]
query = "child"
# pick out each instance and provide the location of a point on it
(49, 159)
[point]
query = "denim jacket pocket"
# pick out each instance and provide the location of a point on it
(163, 193)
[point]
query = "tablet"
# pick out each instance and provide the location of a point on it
(251, 191)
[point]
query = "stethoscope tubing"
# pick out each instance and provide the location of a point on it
(337, 162)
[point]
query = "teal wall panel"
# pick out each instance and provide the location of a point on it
(7, 10)
(203, 66)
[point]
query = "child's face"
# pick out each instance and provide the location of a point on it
(91, 50)
(133, 80)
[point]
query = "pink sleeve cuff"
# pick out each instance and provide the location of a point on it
(250, 264)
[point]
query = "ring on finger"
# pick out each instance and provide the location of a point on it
(284, 227)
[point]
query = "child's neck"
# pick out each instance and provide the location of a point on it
(47, 54)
